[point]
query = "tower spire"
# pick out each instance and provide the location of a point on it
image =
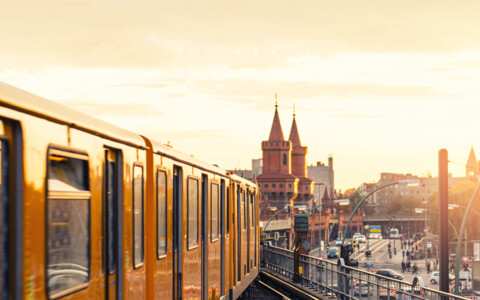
(276, 133)
(294, 136)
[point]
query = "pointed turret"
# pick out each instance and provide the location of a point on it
(471, 166)
(276, 133)
(294, 137)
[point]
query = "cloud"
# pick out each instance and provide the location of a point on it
(141, 110)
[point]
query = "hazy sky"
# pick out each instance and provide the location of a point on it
(381, 85)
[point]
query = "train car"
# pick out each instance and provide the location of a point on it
(245, 245)
(89, 210)
(74, 191)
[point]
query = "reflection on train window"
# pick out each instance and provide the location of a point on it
(111, 207)
(161, 213)
(137, 216)
(192, 204)
(68, 215)
(214, 212)
(4, 207)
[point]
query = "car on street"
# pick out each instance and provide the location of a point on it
(389, 273)
(384, 293)
(361, 239)
(356, 234)
(407, 294)
(332, 253)
(338, 242)
(435, 277)
(362, 289)
(376, 235)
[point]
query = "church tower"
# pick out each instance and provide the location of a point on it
(472, 165)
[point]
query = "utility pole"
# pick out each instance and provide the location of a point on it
(443, 220)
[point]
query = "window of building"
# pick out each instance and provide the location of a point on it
(214, 212)
(192, 209)
(274, 185)
(161, 214)
(4, 226)
(284, 159)
(68, 223)
(266, 185)
(280, 185)
(138, 212)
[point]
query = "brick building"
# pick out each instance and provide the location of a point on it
(284, 178)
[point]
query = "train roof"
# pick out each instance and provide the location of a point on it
(175, 154)
(243, 180)
(31, 104)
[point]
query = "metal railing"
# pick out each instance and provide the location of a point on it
(346, 282)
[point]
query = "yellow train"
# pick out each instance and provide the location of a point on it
(89, 210)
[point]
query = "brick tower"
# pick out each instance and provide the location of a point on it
(299, 166)
(277, 184)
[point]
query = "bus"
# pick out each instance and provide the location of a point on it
(394, 234)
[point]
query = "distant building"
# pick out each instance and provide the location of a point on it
(250, 174)
(324, 175)
(284, 180)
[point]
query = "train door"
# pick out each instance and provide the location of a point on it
(177, 233)
(112, 253)
(222, 237)
(239, 235)
(247, 225)
(204, 238)
(11, 210)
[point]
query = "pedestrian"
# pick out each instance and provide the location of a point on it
(408, 265)
(452, 267)
(405, 244)
(408, 254)
(404, 266)
(428, 266)
(416, 246)
(415, 268)
(435, 264)
(403, 254)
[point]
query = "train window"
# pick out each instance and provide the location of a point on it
(68, 223)
(192, 204)
(244, 208)
(252, 221)
(161, 213)
(137, 216)
(228, 211)
(4, 229)
(214, 212)
(111, 217)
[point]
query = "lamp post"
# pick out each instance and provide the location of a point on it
(319, 216)
(424, 210)
(410, 181)
(460, 237)
(339, 201)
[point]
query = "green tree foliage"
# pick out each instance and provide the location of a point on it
(459, 194)
(403, 206)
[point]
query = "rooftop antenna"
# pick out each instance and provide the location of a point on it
(276, 105)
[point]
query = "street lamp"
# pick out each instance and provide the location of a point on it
(423, 210)
(339, 201)
(409, 181)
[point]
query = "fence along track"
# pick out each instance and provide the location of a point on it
(325, 276)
